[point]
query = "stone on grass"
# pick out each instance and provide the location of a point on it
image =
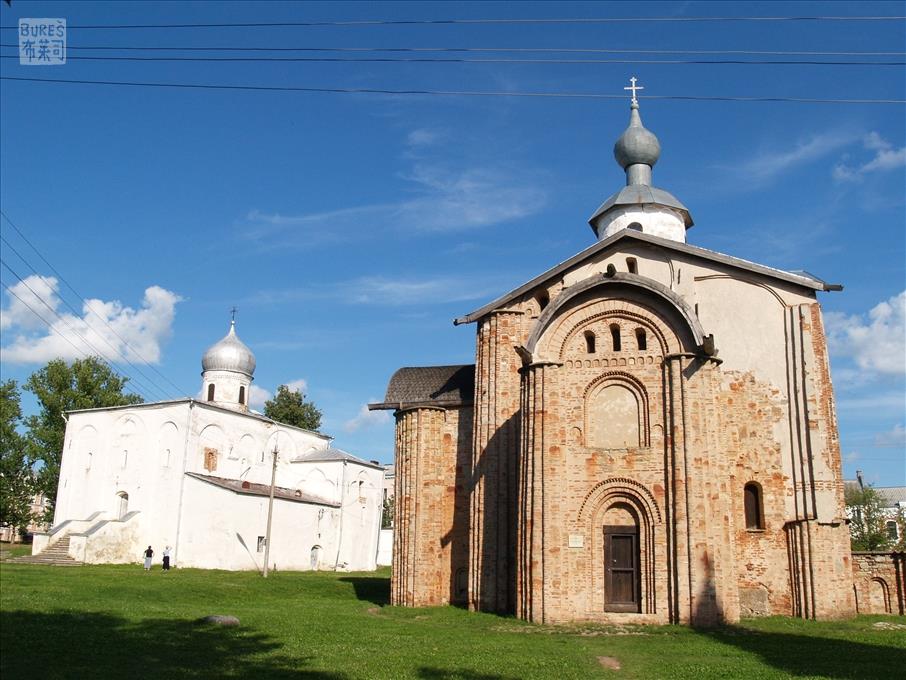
(221, 620)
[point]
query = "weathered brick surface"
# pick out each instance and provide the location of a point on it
(574, 435)
(879, 582)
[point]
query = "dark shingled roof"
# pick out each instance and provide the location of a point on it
(445, 386)
(254, 489)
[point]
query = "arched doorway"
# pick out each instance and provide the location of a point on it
(316, 557)
(622, 577)
(122, 504)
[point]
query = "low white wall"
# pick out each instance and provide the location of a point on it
(385, 548)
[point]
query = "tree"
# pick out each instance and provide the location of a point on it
(290, 407)
(387, 513)
(61, 387)
(868, 523)
(17, 481)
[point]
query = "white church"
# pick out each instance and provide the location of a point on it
(195, 475)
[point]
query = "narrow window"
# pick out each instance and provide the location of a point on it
(542, 298)
(125, 457)
(211, 392)
(641, 339)
(615, 334)
(361, 492)
(589, 342)
(261, 542)
(88, 461)
(892, 533)
(754, 518)
(210, 460)
(632, 265)
(242, 394)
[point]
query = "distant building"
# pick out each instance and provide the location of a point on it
(893, 499)
(38, 505)
(648, 435)
(196, 476)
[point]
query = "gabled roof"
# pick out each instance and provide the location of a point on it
(333, 454)
(798, 278)
(443, 386)
(255, 489)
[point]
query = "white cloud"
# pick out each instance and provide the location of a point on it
(382, 290)
(33, 293)
(423, 137)
(768, 165)
(109, 329)
(366, 419)
(895, 438)
(257, 397)
(877, 345)
(300, 385)
(885, 158)
(439, 195)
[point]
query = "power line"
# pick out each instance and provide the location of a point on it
(90, 309)
(447, 22)
(448, 93)
(554, 50)
(488, 60)
(141, 388)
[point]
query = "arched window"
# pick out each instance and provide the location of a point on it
(615, 335)
(542, 298)
(754, 514)
(211, 392)
(892, 532)
(589, 342)
(632, 265)
(635, 226)
(242, 394)
(641, 339)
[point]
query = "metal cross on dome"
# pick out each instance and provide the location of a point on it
(233, 311)
(634, 89)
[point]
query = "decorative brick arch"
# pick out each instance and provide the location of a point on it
(620, 491)
(680, 317)
(617, 489)
(635, 386)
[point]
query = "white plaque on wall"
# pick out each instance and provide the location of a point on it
(576, 541)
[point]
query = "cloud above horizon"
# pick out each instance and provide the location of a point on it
(438, 195)
(877, 345)
(109, 329)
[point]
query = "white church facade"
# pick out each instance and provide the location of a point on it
(195, 475)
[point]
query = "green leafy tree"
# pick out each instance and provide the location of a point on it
(290, 407)
(868, 523)
(61, 387)
(17, 481)
(387, 513)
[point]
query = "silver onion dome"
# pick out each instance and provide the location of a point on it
(636, 145)
(229, 354)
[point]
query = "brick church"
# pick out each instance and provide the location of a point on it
(648, 435)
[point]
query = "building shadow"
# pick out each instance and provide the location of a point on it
(374, 589)
(93, 645)
(428, 673)
(813, 656)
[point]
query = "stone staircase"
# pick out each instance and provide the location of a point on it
(56, 555)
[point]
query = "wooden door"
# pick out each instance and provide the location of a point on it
(621, 568)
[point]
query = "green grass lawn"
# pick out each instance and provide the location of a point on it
(119, 622)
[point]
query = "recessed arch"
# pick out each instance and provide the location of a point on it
(648, 292)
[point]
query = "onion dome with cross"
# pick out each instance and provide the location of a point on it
(639, 205)
(228, 368)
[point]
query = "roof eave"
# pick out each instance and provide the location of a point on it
(813, 283)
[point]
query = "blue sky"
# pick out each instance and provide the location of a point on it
(351, 229)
